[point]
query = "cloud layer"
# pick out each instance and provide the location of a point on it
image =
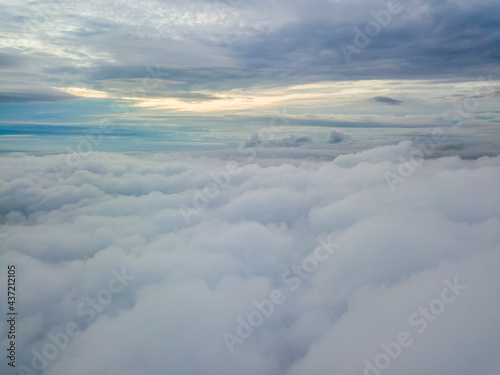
(115, 221)
(209, 46)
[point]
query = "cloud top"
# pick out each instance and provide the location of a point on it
(184, 285)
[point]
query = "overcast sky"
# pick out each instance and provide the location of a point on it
(212, 72)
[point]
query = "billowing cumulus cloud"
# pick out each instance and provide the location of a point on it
(280, 269)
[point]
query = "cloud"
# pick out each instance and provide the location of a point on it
(292, 140)
(386, 100)
(191, 97)
(8, 60)
(143, 263)
(225, 46)
(338, 137)
(185, 284)
(25, 97)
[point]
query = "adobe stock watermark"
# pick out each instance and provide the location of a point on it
(372, 29)
(95, 136)
(221, 179)
(458, 112)
(265, 134)
(211, 190)
(293, 278)
(420, 321)
(56, 342)
(455, 114)
(414, 159)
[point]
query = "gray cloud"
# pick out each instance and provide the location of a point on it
(386, 100)
(8, 60)
(338, 137)
(250, 45)
(25, 97)
(292, 140)
(191, 281)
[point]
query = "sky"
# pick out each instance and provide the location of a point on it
(249, 187)
(211, 74)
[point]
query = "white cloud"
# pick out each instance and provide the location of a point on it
(191, 281)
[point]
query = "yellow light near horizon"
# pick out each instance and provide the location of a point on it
(344, 95)
(83, 92)
(224, 102)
